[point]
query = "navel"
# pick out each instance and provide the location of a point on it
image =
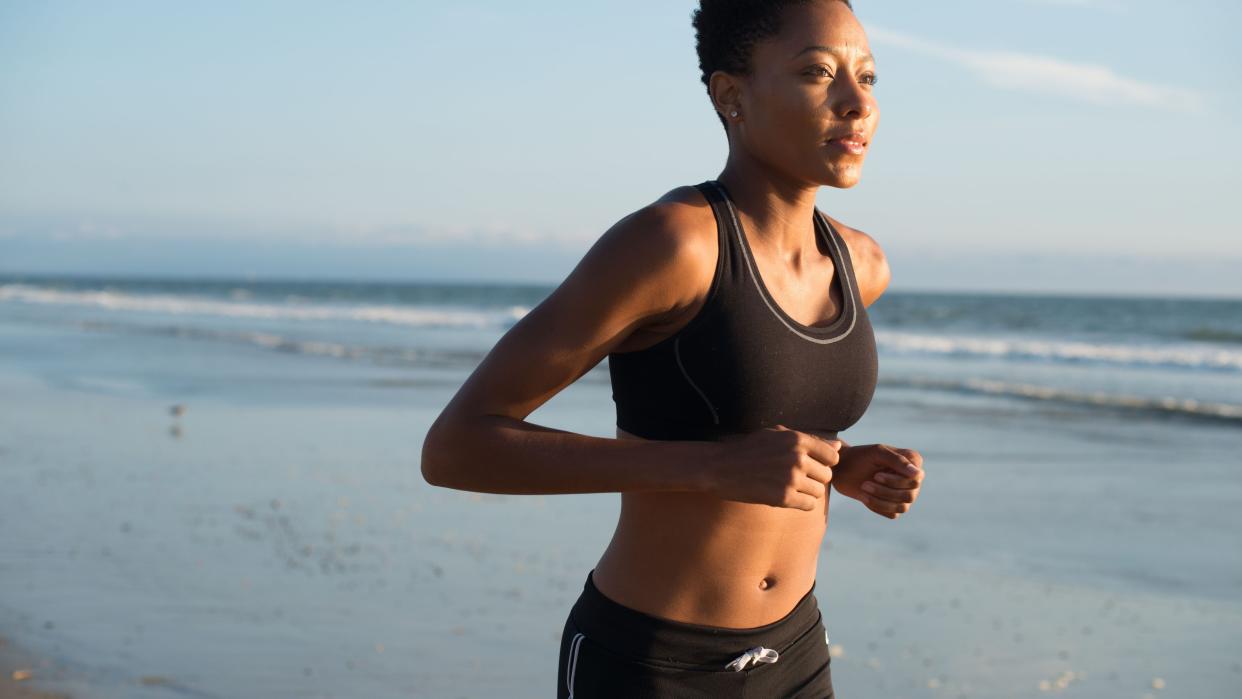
(767, 582)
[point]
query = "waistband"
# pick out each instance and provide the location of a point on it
(641, 635)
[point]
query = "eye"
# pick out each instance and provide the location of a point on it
(870, 78)
(818, 70)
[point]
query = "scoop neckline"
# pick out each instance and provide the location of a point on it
(839, 273)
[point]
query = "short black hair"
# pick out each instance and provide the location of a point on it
(726, 32)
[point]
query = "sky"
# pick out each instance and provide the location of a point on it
(1081, 146)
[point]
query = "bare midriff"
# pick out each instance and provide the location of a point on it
(695, 558)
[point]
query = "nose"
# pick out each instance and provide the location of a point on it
(851, 100)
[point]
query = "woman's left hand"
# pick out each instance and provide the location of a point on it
(886, 479)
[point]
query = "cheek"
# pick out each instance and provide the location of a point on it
(802, 125)
(806, 108)
(791, 107)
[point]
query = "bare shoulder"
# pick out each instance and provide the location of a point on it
(649, 265)
(870, 264)
(681, 217)
(678, 230)
(664, 244)
(677, 236)
(639, 273)
(686, 213)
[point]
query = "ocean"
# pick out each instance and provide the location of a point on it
(272, 535)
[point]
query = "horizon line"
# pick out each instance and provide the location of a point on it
(8, 276)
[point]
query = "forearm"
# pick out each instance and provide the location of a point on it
(495, 454)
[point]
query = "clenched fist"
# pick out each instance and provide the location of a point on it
(775, 466)
(886, 479)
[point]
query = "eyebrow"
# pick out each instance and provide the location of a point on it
(830, 49)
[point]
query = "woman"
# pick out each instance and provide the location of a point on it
(732, 372)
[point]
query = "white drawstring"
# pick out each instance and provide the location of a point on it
(757, 655)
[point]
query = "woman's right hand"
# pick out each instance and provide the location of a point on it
(774, 466)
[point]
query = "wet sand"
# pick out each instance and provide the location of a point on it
(287, 547)
(21, 674)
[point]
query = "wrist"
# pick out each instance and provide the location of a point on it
(842, 471)
(677, 465)
(700, 465)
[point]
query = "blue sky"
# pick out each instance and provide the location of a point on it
(1035, 145)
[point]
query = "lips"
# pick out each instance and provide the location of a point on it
(851, 138)
(850, 143)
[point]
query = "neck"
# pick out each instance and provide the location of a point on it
(775, 210)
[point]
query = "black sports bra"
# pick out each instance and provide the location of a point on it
(742, 363)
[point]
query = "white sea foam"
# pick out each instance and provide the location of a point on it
(281, 343)
(464, 358)
(297, 309)
(1169, 405)
(1186, 355)
(460, 358)
(241, 304)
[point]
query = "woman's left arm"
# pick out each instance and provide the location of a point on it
(884, 478)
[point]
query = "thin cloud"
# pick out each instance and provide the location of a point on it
(486, 233)
(1031, 72)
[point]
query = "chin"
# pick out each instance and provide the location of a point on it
(842, 181)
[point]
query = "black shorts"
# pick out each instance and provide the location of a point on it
(611, 651)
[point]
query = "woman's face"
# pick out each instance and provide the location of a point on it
(810, 85)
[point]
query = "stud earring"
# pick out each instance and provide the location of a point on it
(733, 113)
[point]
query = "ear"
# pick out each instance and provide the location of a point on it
(726, 92)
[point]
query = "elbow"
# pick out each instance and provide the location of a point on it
(437, 460)
(450, 452)
(456, 453)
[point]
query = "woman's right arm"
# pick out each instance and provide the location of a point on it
(645, 267)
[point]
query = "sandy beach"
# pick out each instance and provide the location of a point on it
(273, 536)
(302, 536)
(21, 674)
